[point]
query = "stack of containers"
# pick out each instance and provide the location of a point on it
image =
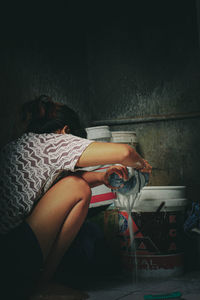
(101, 195)
(158, 217)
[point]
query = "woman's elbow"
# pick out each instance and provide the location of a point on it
(127, 153)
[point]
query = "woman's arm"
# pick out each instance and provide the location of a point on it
(99, 153)
(93, 178)
(98, 178)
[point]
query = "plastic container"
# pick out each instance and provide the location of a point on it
(124, 137)
(101, 195)
(99, 133)
(158, 219)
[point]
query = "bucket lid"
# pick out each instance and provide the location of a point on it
(165, 187)
(162, 192)
(152, 205)
(98, 132)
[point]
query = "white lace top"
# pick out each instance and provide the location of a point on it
(28, 167)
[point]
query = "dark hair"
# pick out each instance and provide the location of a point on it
(42, 115)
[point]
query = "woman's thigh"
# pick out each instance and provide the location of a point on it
(53, 208)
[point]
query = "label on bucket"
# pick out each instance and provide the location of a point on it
(158, 242)
(154, 233)
(155, 264)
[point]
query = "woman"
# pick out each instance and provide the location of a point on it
(41, 211)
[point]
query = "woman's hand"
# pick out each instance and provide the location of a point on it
(147, 168)
(121, 171)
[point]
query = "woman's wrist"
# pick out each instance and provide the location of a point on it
(94, 178)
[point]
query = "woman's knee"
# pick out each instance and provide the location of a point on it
(79, 185)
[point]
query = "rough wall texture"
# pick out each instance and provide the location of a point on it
(144, 61)
(112, 61)
(172, 148)
(108, 61)
(41, 53)
(41, 71)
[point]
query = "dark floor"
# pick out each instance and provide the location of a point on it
(106, 281)
(126, 289)
(188, 285)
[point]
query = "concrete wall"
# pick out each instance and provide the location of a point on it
(144, 61)
(42, 52)
(112, 61)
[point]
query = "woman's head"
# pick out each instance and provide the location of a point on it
(42, 115)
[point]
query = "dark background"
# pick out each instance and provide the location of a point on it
(111, 60)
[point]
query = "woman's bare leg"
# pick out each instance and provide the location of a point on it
(57, 218)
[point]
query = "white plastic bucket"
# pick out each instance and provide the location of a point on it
(124, 137)
(158, 233)
(162, 193)
(99, 133)
(101, 195)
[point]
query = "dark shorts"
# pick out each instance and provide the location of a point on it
(21, 260)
